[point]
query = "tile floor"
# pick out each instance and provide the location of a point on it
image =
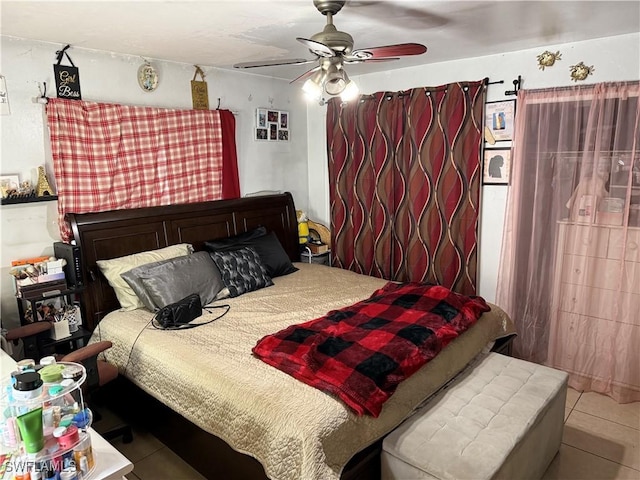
(601, 442)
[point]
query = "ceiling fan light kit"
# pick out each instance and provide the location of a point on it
(333, 49)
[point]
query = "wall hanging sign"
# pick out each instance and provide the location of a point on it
(496, 168)
(67, 77)
(147, 77)
(199, 92)
(272, 125)
(499, 117)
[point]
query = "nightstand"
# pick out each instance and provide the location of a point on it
(320, 258)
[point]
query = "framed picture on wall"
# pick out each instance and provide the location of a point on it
(496, 166)
(262, 134)
(272, 116)
(273, 131)
(499, 118)
(261, 118)
(284, 120)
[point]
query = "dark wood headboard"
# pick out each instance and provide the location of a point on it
(112, 234)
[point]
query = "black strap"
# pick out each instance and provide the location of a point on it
(193, 325)
(61, 53)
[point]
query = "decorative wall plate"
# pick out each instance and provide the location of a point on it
(147, 77)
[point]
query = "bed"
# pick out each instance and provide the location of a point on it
(208, 374)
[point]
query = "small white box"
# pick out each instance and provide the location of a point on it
(55, 267)
(60, 330)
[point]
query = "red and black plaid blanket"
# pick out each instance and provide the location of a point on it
(362, 352)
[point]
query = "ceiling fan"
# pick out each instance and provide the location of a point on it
(333, 49)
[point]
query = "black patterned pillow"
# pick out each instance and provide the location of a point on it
(242, 270)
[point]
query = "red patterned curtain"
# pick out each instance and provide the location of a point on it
(110, 157)
(404, 179)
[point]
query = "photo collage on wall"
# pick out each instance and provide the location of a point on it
(272, 125)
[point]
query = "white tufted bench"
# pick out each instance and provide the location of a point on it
(502, 418)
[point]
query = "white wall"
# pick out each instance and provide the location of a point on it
(30, 230)
(615, 59)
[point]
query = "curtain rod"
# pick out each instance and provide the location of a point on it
(43, 99)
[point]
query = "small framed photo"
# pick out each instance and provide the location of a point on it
(283, 135)
(499, 118)
(273, 131)
(262, 134)
(261, 118)
(9, 183)
(284, 120)
(496, 169)
(272, 116)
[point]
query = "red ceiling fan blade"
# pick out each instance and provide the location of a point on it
(318, 48)
(272, 63)
(399, 50)
(306, 74)
(367, 60)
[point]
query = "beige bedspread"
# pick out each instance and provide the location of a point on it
(209, 375)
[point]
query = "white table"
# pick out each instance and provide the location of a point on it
(110, 464)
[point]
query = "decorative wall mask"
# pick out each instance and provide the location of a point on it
(147, 77)
(548, 59)
(581, 71)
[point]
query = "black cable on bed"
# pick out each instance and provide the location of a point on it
(134, 344)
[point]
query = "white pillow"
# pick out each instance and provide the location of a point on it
(112, 269)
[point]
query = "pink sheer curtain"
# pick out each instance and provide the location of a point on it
(570, 267)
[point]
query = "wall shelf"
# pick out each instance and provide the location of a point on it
(17, 201)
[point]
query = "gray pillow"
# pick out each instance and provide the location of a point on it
(132, 277)
(242, 270)
(172, 280)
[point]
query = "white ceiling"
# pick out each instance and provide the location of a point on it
(221, 33)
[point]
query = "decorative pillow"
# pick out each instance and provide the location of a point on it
(113, 269)
(179, 277)
(132, 277)
(267, 246)
(234, 242)
(242, 270)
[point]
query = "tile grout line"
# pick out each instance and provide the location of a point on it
(603, 458)
(605, 419)
(147, 455)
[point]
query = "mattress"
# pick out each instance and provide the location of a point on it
(209, 376)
